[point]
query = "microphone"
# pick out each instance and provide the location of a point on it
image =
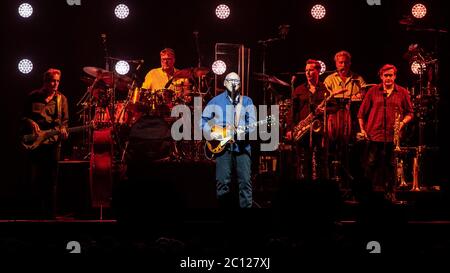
(233, 92)
(195, 33)
(384, 91)
(139, 64)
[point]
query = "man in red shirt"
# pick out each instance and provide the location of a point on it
(376, 118)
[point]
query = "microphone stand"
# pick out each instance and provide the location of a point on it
(199, 64)
(383, 159)
(264, 44)
(325, 138)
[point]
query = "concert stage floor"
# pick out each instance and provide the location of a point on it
(312, 228)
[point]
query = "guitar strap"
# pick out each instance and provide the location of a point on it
(238, 112)
(58, 109)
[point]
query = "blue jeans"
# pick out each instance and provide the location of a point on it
(224, 166)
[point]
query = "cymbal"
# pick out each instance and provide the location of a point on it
(183, 73)
(201, 71)
(95, 71)
(87, 80)
(120, 79)
(106, 76)
(268, 78)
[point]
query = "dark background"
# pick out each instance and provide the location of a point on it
(68, 37)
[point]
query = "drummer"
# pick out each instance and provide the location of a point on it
(162, 78)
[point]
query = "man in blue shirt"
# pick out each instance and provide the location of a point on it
(232, 111)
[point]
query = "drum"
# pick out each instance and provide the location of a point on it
(149, 140)
(122, 115)
(183, 91)
(102, 119)
(340, 126)
(140, 98)
(101, 94)
(140, 102)
(164, 96)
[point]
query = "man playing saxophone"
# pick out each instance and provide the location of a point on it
(305, 113)
(385, 110)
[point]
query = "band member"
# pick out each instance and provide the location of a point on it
(344, 78)
(164, 79)
(305, 100)
(384, 107)
(348, 87)
(46, 108)
(231, 110)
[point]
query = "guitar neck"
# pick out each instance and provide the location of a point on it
(78, 128)
(54, 132)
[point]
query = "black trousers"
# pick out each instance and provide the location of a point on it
(380, 167)
(43, 176)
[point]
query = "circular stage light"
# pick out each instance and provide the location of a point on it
(222, 11)
(25, 10)
(323, 67)
(25, 66)
(219, 67)
(419, 11)
(122, 67)
(121, 11)
(417, 68)
(318, 12)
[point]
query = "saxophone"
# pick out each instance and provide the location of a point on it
(304, 125)
(311, 120)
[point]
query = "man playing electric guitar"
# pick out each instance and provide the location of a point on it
(228, 111)
(46, 108)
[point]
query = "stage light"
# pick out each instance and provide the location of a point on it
(222, 11)
(122, 67)
(417, 68)
(25, 10)
(219, 67)
(323, 67)
(419, 11)
(25, 66)
(318, 12)
(121, 11)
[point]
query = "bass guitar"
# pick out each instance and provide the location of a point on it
(33, 140)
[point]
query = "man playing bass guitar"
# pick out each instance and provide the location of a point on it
(46, 109)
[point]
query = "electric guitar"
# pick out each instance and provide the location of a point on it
(33, 140)
(215, 147)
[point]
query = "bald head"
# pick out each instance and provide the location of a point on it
(232, 82)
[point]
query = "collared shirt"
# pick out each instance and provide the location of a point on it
(156, 79)
(372, 111)
(353, 83)
(215, 113)
(303, 101)
(44, 113)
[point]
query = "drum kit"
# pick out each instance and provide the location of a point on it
(115, 101)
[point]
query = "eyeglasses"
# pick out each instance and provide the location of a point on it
(233, 81)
